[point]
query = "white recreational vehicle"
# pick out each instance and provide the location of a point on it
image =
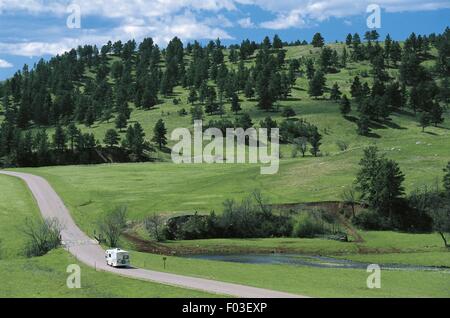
(117, 258)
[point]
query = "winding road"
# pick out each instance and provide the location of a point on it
(89, 252)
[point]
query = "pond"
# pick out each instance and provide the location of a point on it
(308, 261)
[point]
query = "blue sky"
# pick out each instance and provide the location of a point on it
(34, 29)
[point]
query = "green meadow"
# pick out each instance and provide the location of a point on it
(46, 276)
(314, 282)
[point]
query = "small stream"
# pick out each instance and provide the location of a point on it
(309, 261)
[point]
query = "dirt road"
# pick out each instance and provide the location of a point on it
(90, 253)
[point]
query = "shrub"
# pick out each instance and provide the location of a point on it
(308, 226)
(370, 220)
(195, 228)
(113, 224)
(182, 112)
(317, 223)
(43, 236)
(190, 227)
(252, 218)
(342, 145)
(154, 225)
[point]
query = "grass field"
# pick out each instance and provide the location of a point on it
(375, 243)
(408, 248)
(46, 276)
(317, 282)
(16, 205)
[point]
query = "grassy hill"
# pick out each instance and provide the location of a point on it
(148, 188)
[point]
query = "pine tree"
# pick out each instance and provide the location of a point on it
(121, 121)
(356, 40)
(444, 92)
(349, 40)
(277, 43)
(314, 140)
(72, 134)
(204, 90)
(344, 58)
(107, 114)
(211, 105)
(244, 122)
(356, 88)
(317, 85)
(266, 43)
(150, 97)
(235, 105)
(424, 120)
(192, 96)
(112, 138)
(447, 178)
(25, 148)
(318, 40)
(249, 88)
(310, 70)
(335, 93)
(59, 139)
(345, 105)
(159, 134)
(197, 113)
(135, 140)
(288, 112)
(42, 147)
(89, 118)
(387, 48)
(387, 188)
(395, 53)
(436, 114)
(363, 125)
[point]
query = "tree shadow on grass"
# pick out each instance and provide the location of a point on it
(352, 119)
(292, 99)
(376, 125)
(373, 135)
(389, 123)
(405, 112)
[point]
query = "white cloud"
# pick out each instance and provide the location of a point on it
(344, 7)
(187, 19)
(186, 26)
(294, 19)
(160, 19)
(5, 64)
(158, 8)
(162, 29)
(298, 13)
(117, 8)
(246, 23)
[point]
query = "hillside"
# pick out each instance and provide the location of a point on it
(57, 114)
(93, 99)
